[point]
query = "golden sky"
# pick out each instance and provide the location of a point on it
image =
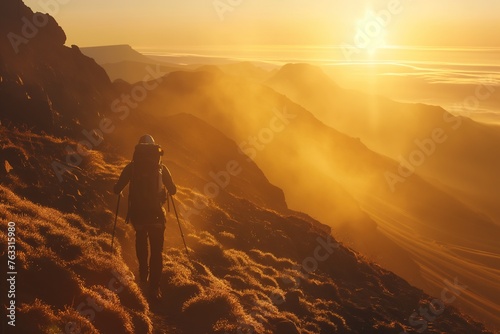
(163, 23)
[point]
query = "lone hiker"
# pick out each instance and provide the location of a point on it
(148, 178)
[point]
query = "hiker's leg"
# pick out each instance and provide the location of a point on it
(141, 248)
(156, 261)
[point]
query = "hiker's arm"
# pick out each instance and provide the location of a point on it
(123, 180)
(168, 182)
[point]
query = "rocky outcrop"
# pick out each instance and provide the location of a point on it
(45, 85)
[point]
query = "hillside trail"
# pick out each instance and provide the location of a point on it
(163, 324)
(164, 316)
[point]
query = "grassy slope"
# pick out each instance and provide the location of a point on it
(64, 266)
(246, 273)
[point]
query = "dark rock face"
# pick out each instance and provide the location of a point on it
(45, 85)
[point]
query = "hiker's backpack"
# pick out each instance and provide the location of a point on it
(147, 192)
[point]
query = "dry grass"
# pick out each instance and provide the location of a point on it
(64, 274)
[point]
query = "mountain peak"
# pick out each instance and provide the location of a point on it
(121, 47)
(35, 64)
(107, 54)
(22, 29)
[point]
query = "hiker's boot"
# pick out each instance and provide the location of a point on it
(154, 293)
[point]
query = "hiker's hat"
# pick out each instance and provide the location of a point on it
(146, 139)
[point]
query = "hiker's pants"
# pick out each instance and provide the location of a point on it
(154, 233)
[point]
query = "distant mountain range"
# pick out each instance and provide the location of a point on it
(124, 63)
(405, 131)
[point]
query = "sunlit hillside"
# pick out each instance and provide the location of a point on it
(246, 269)
(344, 183)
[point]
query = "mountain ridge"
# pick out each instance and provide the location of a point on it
(399, 130)
(244, 114)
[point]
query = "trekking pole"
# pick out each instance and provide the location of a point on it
(168, 203)
(180, 228)
(116, 219)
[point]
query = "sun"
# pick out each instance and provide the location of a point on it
(371, 32)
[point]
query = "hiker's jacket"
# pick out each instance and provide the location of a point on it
(126, 175)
